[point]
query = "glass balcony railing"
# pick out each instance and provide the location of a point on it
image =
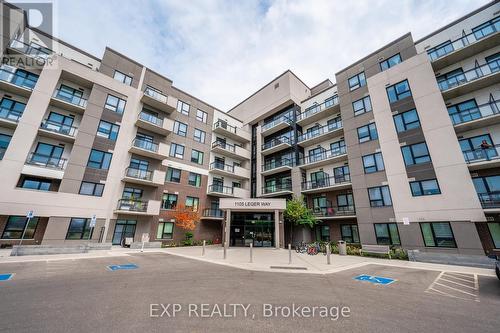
(320, 131)
(225, 125)
(132, 205)
(312, 110)
(464, 41)
(489, 200)
(46, 161)
(35, 51)
(482, 154)
(225, 146)
(10, 114)
(279, 187)
(478, 112)
(150, 118)
(276, 122)
(145, 144)
(155, 94)
(19, 78)
(334, 211)
(58, 128)
(275, 142)
(277, 164)
(470, 75)
(215, 213)
(139, 174)
(324, 155)
(222, 166)
(218, 188)
(325, 182)
(70, 98)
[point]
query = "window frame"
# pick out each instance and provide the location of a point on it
(367, 106)
(382, 197)
(421, 189)
(31, 235)
(204, 116)
(435, 239)
(390, 235)
(161, 226)
(118, 108)
(367, 169)
(410, 150)
(94, 190)
(176, 154)
(177, 128)
(404, 123)
(200, 154)
(166, 198)
(170, 172)
(181, 107)
(114, 129)
(398, 95)
(40, 182)
(105, 160)
(352, 233)
(202, 137)
(387, 63)
(372, 133)
(127, 79)
(85, 229)
(360, 81)
(195, 201)
(197, 180)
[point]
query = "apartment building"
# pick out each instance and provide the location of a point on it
(401, 149)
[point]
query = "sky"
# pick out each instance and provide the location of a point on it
(223, 51)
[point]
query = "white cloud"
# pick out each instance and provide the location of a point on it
(222, 51)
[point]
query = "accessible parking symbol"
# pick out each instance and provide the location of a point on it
(374, 279)
(122, 267)
(6, 277)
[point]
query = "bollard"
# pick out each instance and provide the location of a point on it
(251, 252)
(289, 253)
(328, 252)
(225, 250)
(203, 251)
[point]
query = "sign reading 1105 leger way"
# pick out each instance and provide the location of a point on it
(252, 204)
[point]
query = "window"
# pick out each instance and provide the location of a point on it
(4, 143)
(398, 91)
(425, 187)
(79, 228)
(387, 234)
(193, 203)
(194, 179)
(349, 233)
(390, 62)
(69, 94)
(199, 135)
(176, 150)
(16, 225)
(357, 81)
(36, 184)
(169, 201)
(380, 196)
(201, 116)
(416, 154)
(173, 175)
(438, 234)
(165, 230)
(362, 105)
(99, 159)
(108, 130)
(115, 104)
(183, 107)
(180, 128)
(373, 163)
(138, 164)
(367, 133)
(486, 28)
(11, 110)
(94, 189)
(406, 121)
(493, 62)
(196, 156)
(440, 50)
(323, 233)
(123, 78)
(464, 111)
(132, 193)
(451, 79)
(494, 229)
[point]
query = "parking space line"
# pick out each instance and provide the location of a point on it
(454, 277)
(459, 290)
(465, 287)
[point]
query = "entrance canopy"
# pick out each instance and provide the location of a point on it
(256, 204)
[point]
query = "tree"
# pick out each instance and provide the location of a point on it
(185, 217)
(297, 213)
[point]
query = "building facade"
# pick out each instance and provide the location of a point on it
(402, 150)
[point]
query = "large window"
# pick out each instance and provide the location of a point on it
(201, 116)
(193, 203)
(390, 62)
(199, 135)
(416, 154)
(11, 110)
(173, 175)
(79, 228)
(39, 184)
(176, 150)
(4, 143)
(487, 28)
(494, 229)
(488, 190)
(194, 179)
(322, 233)
(123, 78)
(464, 112)
(406, 121)
(438, 234)
(367, 133)
(424, 187)
(115, 104)
(99, 159)
(94, 189)
(380, 196)
(16, 225)
(183, 107)
(373, 163)
(349, 233)
(387, 234)
(196, 156)
(169, 201)
(362, 105)
(108, 130)
(165, 230)
(180, 128)
(398, 91)
(357, 81)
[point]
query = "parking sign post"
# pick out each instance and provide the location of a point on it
(29, 216)
(92, 225)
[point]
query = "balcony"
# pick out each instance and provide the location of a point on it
(154, 124)
(482, 158)
(68, 102)
(236, 152)
(158, 100)
(323, 158)
(222, 191)
(489, 200)
(144, 177)
(37, 52)
(464, 47)
(476, 117)
(468, 81)
(320, 134)
(10, 117)
(150, 149)
(275, 126)
(279, 189)
(326, 184)
(275, 145)
(138, 207)
(2, 153)
(232, 171)
(276, 166)
(58, 131)
(232, 132)
(318, 111)
(16, 83)
(331, 213)
(212, 214)
(44, 166)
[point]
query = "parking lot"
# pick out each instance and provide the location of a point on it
(87, 295)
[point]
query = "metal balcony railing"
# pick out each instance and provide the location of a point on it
(225, 125)
(58, 128)
(277, 163)
(132, 205)
(482, 154)
(10, 75)
(225, 146)
(325, 182)
(10, 114)
(324, 155)
(320, 131)
(145, 144)
(139, 174)
(217, 188)
(151, 119)
(35, 51)
(478, 112)
(334, 211)
(155, 94)
(46, 161)
(276, 122)
(216, 213)
(279, 187)
(69, 98)
(489, 200)
(275, 142)
(470, 75)
(312, 110)
(222, 166)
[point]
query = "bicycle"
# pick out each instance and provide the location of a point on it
(301, 247)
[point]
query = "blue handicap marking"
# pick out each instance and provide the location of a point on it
(5, 277)
(119, 267)
(374, 279)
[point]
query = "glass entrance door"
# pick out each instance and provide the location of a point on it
(123, 228)
(252, 228)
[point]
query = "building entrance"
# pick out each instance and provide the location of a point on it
(252, 228)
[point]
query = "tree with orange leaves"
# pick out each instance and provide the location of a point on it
(185, 217)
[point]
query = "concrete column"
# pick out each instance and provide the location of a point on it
(277, 229)
(227, 230)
